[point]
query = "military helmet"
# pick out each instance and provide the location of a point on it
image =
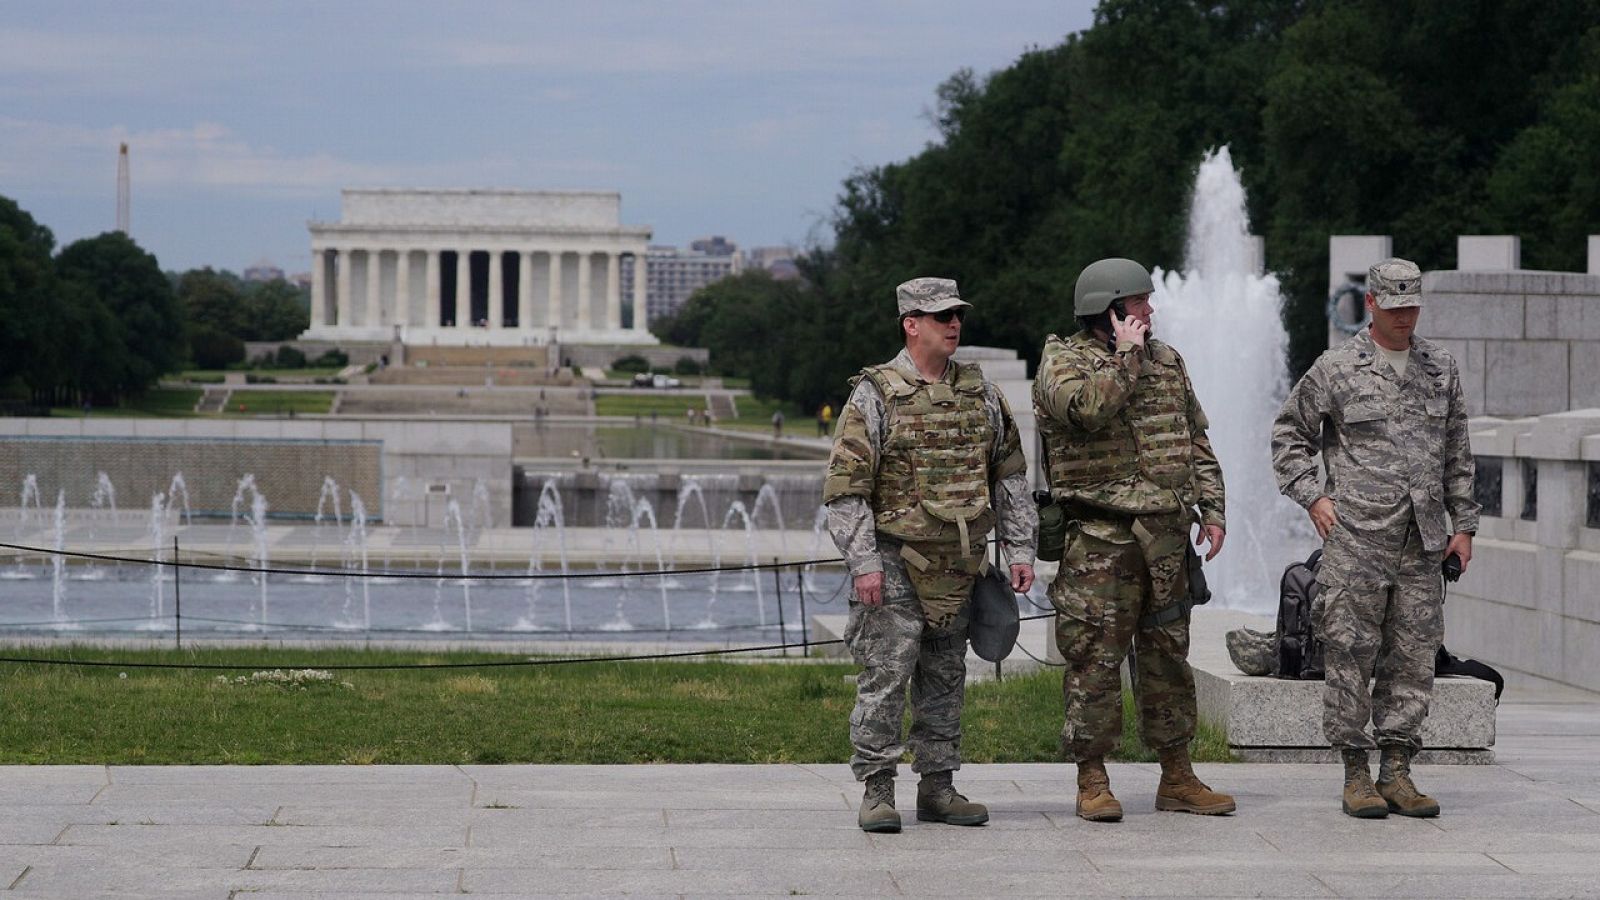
(994, 621)
(1107, 280)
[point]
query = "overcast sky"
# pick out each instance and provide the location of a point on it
(246, 118)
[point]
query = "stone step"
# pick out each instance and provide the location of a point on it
(1271, 719)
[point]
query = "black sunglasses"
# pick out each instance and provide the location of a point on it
(943, 316)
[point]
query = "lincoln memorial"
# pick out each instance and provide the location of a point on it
(477, 268)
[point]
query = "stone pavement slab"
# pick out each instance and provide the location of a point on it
(1527, 825)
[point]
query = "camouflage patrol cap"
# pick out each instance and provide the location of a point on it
(993, 622)
(1395, 283)
(928, 295)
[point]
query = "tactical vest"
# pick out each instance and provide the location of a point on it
(1141, 461)
(933, 471)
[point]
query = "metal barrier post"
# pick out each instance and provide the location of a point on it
(177, 596)
(783, 630)
(805, 621)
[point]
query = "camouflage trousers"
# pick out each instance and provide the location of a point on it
(897, 648)
(1381, 619)
(1110, 579)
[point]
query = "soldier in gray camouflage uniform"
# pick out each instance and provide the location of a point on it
(924, 454)
(1385, 411)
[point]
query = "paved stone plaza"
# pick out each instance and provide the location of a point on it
(1526, 826)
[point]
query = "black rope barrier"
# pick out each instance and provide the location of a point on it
(412, 573)
(370, 667)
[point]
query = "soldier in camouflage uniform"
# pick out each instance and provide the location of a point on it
(1385, 411)
(924, 454)
(1129, 461)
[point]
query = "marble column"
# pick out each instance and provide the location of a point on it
(497, 289)
(402, 287)
(319, 288)
(524, 291)
(640, 269)
(374, 314)
(585, 291)
(341, 293)
(464, 289)
(613, 291)
(431, 279)
(554, 318)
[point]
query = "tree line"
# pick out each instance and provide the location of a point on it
(1422, 119)
(99, 321)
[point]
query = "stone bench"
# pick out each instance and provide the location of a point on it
(1278, 720)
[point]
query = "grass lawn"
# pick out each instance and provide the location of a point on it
(156, 403)
(755, 413)
(642, 712)
(259, 403)
(667, 404)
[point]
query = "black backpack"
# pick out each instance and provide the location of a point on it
(1299, 649)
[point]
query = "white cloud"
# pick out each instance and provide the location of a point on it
(74, 159)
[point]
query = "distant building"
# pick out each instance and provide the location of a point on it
(779, 261)
(489, 267)
(263, 270)
(671, 274)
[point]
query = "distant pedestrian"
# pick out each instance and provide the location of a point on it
(824, 420)
(777, 424)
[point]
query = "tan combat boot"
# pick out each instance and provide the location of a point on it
(937, 801)
(1095, 802)
(1395, 787)
(1181, 791)
(877, 805)
(1360, 797)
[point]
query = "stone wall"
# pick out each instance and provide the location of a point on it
(405, 472)
(1530, 600)
(1526, 342)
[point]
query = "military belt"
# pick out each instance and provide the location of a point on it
(941, 644)
(1168, 614)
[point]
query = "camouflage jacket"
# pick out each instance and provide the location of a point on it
(859, 439)
(1394, 446)
(1134, 410)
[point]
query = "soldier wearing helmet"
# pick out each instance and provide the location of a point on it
(926, 460)
(1384, 410)
(1130, 464)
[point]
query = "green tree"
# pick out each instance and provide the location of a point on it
(214, 300)
(274, 311)
(138, 335)
(27, 294)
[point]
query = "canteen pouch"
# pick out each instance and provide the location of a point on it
(1052, 527)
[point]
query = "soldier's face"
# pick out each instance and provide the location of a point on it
(1392, 328)
(1139, 308)
(931, 336)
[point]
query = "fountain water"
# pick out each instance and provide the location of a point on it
(736, 509)
(549, 515)
(452, 513)
(328, 496)
(690, 489)
(1227, 320)
(355, 557)
(178, 484)
(643, 511)
(58, 562)
(256, 517)
(158, 542)
(30, 491)
(620, 506)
